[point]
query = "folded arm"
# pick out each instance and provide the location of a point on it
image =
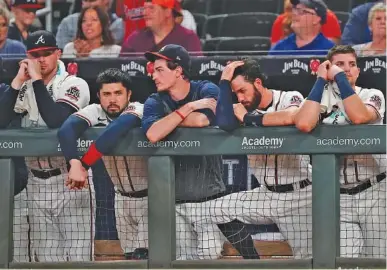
(356, 110)
(53, 113)
(110, 137)
(308, 115)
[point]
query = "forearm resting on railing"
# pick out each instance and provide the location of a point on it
(280, 118)
(195, 119)
(163, 127)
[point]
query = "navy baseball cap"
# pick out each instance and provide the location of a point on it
(318, 6)
(40, 41)
(26, 4)
(174, 53)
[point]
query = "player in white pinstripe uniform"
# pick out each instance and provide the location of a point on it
(44, 94)
(128, 173)
(336, 100)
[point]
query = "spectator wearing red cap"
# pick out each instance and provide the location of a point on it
(25, 14)
(161, 30)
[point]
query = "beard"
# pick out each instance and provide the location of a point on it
(113, 115)
(253, 105)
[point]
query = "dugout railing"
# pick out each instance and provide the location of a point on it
(325, 144)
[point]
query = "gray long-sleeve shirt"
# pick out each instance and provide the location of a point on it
(67, 29)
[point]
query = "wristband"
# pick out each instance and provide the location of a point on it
(91, 156)
(317, 91)
(253, 120)
(180, 114)
(344, 86)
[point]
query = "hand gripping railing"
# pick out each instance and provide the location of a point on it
(325, 144)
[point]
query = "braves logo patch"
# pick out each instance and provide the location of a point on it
(73, 93)
(295, 100)
(376, 101)
(130, 109)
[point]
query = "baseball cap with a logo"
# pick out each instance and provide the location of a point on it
(174, 53)
(40, 41)
(318, 6)
(172, 4)
(26, 4)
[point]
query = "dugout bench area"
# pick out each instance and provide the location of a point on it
(285, 73)
(161, 181)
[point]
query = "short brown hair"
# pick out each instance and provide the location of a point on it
(340, 49)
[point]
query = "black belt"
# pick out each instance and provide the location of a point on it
(134, 194)
(289, 187)
(363, 186)
(205, 199)
(45, 174)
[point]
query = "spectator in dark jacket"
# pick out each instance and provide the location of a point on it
(25, 15)
(8, 47)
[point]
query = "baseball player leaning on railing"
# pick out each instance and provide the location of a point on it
(336, 100)
(45, 95)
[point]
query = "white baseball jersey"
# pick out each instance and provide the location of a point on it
(128, 173)
(65, 88)
(280, 169)
(358, 168)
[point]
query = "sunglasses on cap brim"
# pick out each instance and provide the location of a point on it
(42, 53)
(29, 10)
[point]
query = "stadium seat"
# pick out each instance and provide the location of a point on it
(339, 5)
(200, 20)
(207, 7)
(211, 44)
(356, 3)
(237, 6)
(212, 25)
(197, 6)
(343, 18)
(247, 24)
(245, 44)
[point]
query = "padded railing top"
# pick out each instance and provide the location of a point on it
(211, 141)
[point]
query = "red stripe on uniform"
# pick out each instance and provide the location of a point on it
(84, 118)
(68, 102)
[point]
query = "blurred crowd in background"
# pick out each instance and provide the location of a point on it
(110, 28)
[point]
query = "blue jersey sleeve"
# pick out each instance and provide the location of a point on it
(209, 90)
(225, 117)
(68, 134)
(153, 111)
(115, 131)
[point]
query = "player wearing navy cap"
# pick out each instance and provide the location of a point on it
(180, 102)
(43, 94)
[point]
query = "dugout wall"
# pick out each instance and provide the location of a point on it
(212, 141)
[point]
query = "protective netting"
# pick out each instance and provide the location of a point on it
(51, 222)
(363, 206)
(247, 206)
